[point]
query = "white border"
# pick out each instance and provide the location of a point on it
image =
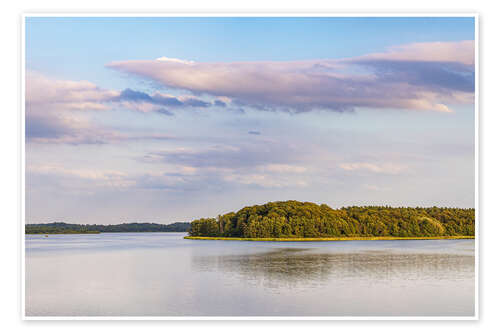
(476, 164)
(22, 176)
(266, 13)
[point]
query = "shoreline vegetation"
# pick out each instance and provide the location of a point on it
(306, 221)
(66, 228)
(326, 239)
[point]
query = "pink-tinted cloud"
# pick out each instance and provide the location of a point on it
(55, 112)
(422, 76)
(43, 90)
(460, 52)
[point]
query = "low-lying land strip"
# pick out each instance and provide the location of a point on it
(66, 228)
(316, 239)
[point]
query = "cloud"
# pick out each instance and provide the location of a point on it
(457, 52)
(284, 168)
(46, 128)
(421, 76)
(264, 180)
(165, 100)
(134, 96)
(77, 180)
(383, 168)
(142, 102)
(71, 95)
(57, 111)
(177, 179)
(262, 165)
(438, 76)
(187, 62)
(80, 173)
(85, 180)
(375, 188)
(227, 156)
(53, 109)
(254, 132)
(91, 134)
(220, 103)
(165, 112)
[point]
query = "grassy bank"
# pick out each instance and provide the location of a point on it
(319, 239)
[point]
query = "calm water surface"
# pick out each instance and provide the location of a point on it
(162, 274)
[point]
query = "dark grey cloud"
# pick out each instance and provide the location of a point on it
(220, 103)
(43, 127)
(133, 96)
(444, 76)
(130, 95)
(254, 132)
(196, 102)
(165, 112)
(166, 101)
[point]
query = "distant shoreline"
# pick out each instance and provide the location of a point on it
(326, 239)
(99, 232)
(67, 228)
(62, 233)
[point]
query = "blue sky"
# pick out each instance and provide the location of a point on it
(58, 44)
(170, 119)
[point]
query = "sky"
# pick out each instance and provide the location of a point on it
(170, 119)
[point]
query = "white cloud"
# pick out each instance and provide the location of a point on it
(385, 168)
(93, 178)
(180, 61)
(265, 180)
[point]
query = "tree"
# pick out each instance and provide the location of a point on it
(306, 219)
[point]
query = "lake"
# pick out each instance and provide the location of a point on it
(162, 274)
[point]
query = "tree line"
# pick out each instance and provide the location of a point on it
(283, 219)
(66, 228)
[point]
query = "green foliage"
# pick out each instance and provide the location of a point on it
(65, 228)
(294, 219)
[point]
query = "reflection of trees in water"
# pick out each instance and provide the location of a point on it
(296, 267)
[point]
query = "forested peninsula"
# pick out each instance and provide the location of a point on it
(66, 228)
(294, 220)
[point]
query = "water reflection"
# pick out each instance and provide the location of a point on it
(165, 275)
(304, 267)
